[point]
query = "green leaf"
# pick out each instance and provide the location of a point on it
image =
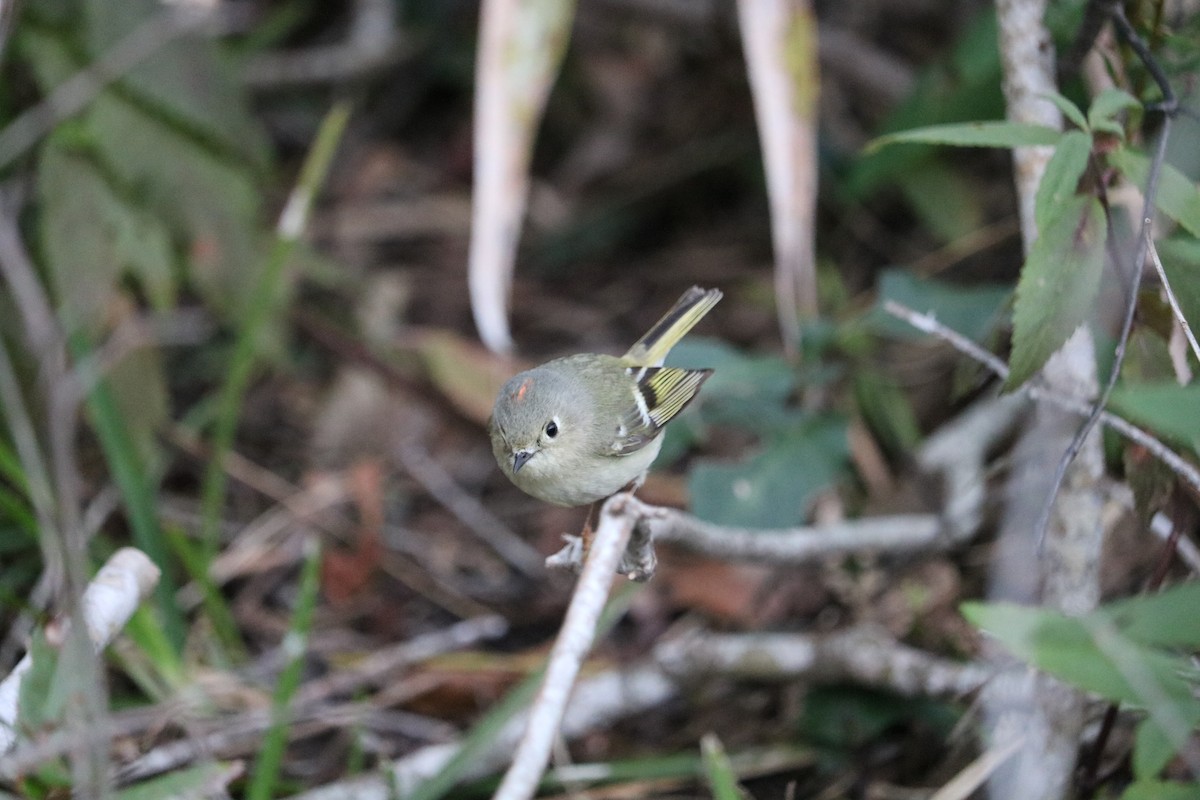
(91, 238)
(36, 704)
(1000, 133)
(1168, 408)
(973, 311)
(1178, 197)
(774, 488)
(722, 780)
(1161, 790)
(1069, 109)
(1091, 653)
(1058, 284)
(1106, 106)
(1165, 619)
(1061, 178)
(211, 204)
(187, 783)
(189, 84)
(735, 375)
(1152, 749)
(1180, 258)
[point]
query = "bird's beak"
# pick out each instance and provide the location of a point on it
(521, 458)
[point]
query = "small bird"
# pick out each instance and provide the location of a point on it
(578, 429)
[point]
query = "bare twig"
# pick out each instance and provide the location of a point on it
(107, 604)
(1171, 299)
(373, 42)
(957, 453)
(865, 655)
(312, 701)
(486, 527)
(617, 518)
(927, 323)
(894, 534)
(964, 784)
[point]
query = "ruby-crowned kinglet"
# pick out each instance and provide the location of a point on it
(578, 429)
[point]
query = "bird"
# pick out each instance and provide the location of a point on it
(579, 429)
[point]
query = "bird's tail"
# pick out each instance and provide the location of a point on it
(651, 349)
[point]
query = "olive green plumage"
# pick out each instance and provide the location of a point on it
(578, 429)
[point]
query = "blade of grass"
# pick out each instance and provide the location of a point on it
(686, 766)
(17, 509)
(10, 467)
(218, 610)
(722, 780)
(243, 358)
(137, 494)
(155, 666)
(295, 646)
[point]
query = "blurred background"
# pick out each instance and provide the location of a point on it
(200, 365)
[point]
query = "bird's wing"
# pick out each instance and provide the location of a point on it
(659, 393)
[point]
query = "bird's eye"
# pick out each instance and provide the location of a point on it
(551, 429)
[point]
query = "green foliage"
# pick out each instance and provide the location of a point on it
(849, 717)
(1178, 197)
(963, 86)
(974, 311)
(722, 780)
(195, 781)
(773, 489)
(1161, 790)
(1133, 652)
(1058, 284)
(295, 646)
(1062, 176)
(886, 409)
(1106, 106)
(974, 134)
(1180, 258)
(947, 201)
(1167, 408)
(40, 701)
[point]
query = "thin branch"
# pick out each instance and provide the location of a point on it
(975, 774)
(895, 534)
(373, 42)
(477, 519)
(1171, 299)
(866, 655)
(617, 518)
(1187, 471)
(1168, 106)
(312, 701)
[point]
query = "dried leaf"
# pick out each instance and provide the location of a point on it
(521, 44)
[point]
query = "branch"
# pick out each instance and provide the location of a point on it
(1169, 106)
(865, 655)
(1171, 299)
(861, 655)
(1185, 470)
(573, 643)
(109, 601)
